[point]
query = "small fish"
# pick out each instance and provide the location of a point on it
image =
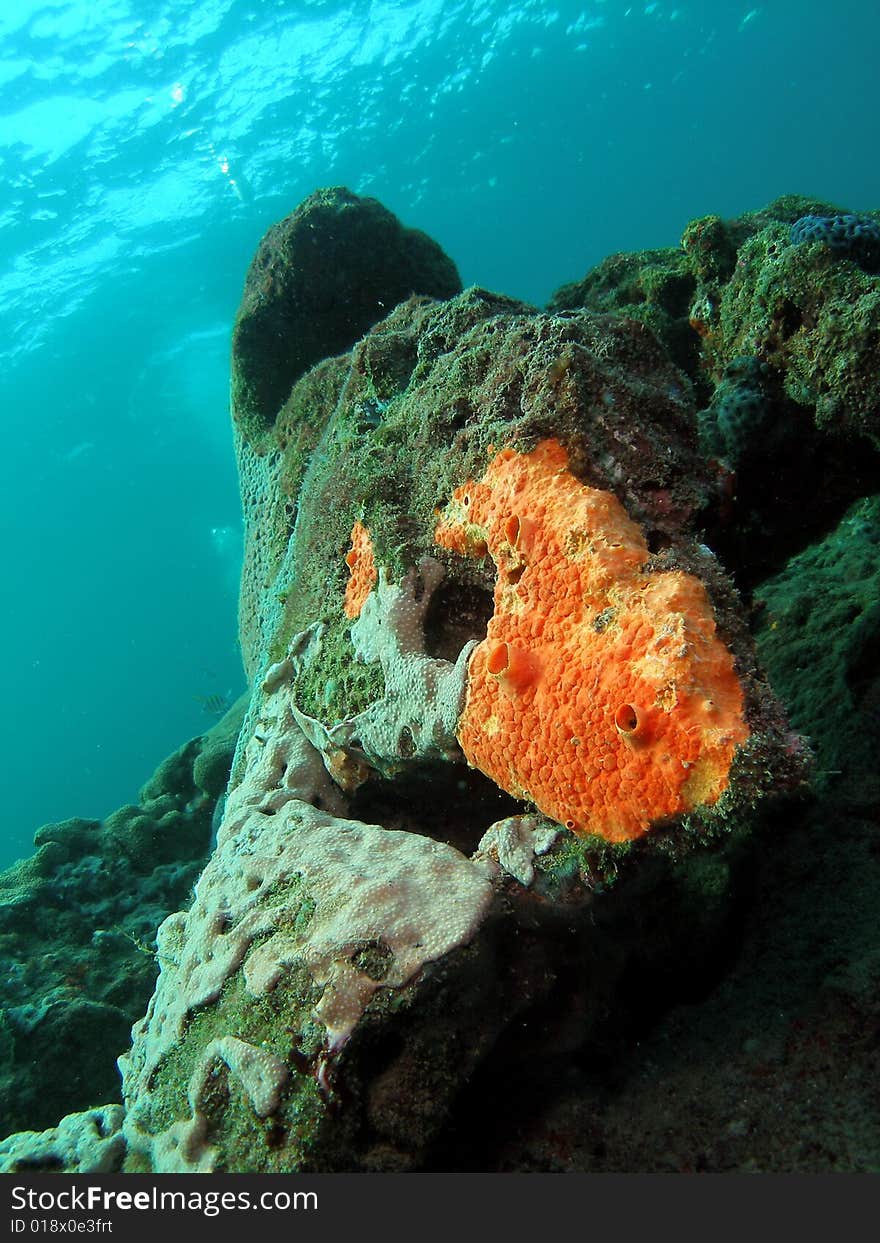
(749, 17)
(214, 705)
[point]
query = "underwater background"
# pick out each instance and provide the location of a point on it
(544, 836)
(143, 157)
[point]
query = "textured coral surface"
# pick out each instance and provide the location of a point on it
(601, 692)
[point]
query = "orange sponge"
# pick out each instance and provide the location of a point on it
(601, 692)
(362, 570)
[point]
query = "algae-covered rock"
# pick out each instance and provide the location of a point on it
(819, 637)
(502, 794)
(677, 291)
(776, 326)
(319, 280)
(759, 286)
(656, 287)
(813, 315)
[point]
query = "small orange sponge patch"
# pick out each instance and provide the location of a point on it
(601, 693)
(361, 568)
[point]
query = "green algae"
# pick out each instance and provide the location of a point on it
(655, 287)
(818, 631)
(334, 686)
(812, 316)
(574, 861)
(279, 1021)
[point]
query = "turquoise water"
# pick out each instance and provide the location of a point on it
(141, 161)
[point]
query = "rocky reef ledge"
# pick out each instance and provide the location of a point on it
(558, 692)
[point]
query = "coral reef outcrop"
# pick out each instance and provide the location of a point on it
(385, 899)
(523, 620)
(777, 332)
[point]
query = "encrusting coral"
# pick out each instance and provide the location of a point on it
(90, 1142)
(601, 692)
(292, 893)
(415, 718)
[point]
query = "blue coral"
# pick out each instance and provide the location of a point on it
(739, 418)
(848, 236)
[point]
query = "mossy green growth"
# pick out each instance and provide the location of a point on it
(574, 861)
(353, 474)
(293, 905)
(814, 317)
(818, 633)
(677, 291)
(627, 283)
(337, 685)
(304, 416)
(279, 1021)
(655, 287)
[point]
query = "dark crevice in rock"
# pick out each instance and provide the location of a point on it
(786, 498)
(425, 800)
(457, 614)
